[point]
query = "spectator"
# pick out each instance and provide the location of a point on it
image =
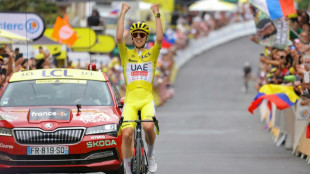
(42, 59)
(305, 36)
(16, 52)
(19, 59)
(303, 18)
(94, 19)
(24, 65)
(32, 63)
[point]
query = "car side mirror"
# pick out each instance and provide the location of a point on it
(121, 104)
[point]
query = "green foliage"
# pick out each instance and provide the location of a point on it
(47, 9)
(303, 4)
(231, 1)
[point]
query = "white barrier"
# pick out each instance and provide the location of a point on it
(214, 39)
(301, 115)
(288, 126)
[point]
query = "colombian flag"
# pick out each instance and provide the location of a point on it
(276, 8)
(282, 96)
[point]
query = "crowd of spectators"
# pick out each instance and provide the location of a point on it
(289, 66)
(189, 26)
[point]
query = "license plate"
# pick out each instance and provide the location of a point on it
(48, 150)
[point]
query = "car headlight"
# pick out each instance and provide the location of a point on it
(101, 129)
(5, 131)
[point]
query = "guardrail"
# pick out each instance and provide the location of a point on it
(214, 39)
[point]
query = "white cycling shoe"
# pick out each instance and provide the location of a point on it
(152, 164)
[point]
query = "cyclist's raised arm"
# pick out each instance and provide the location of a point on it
(159, 28)
(120, 24)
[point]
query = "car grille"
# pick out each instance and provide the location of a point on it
(59, 136)
(71, 159)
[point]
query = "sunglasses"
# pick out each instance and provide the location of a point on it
(135, 35)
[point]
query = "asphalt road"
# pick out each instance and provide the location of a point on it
(206, 128)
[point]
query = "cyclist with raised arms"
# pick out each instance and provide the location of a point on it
(139, 69)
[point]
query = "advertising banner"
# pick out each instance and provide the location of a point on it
(28, 25)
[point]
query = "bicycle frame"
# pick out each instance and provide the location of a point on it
(139, 155)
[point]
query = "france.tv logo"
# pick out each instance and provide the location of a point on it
(32, 26)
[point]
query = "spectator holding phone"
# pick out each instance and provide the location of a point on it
(42, 59)
(18, 62)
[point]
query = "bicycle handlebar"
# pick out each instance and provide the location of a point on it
(121, 121)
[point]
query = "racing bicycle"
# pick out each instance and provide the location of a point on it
(139, 162)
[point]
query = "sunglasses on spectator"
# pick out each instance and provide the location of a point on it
(135, 35)
(282, 57)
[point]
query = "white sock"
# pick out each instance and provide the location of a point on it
(150, 149)
(127, 165)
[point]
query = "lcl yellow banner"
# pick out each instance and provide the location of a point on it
(104, 44)
(88, 41)
(86, 37)
(46, 74)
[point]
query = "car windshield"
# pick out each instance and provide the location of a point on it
(56, 93)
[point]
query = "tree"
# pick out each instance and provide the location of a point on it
(47, 9)
(303, 5)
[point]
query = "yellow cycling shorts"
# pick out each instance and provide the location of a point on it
(130, 112)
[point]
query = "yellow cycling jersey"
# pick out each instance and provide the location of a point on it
(139, 68)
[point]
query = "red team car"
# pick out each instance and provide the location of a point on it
(60, 120)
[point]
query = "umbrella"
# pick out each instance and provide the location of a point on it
(212, 5)
(9, 37)
(144, 6)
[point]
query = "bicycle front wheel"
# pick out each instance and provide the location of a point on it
(139, 159)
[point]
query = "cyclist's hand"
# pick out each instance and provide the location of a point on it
(155, 8)
(125, 7)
